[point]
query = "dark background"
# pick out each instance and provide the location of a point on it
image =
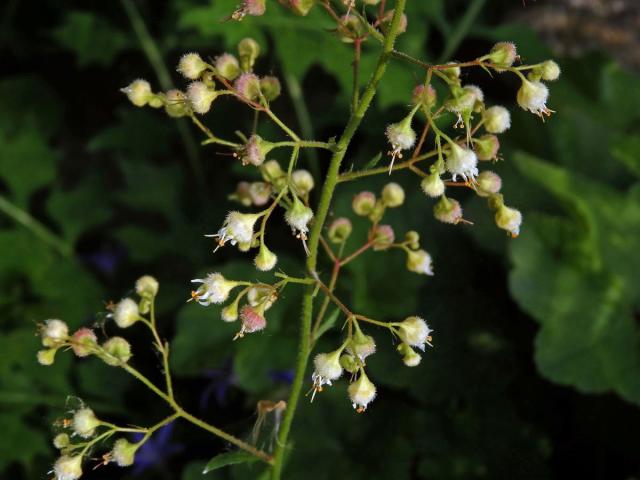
(535, 372)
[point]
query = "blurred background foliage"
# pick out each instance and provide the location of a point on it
(536, 370)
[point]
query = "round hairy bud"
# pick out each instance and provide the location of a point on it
(124, 452)
(138, 92)
(84, 342)
(432, 185)
(61, 441)
(176, 103)
(361, 345)
(487, 147)
(425, 96)
(419, 261)
(497, 119)
(361, 392)
(68, 467)
(117, 351)
(272, 172)
(230, 312)
(54, 332)
(302, 181)
(550, 70)
(252, 319)
(400, 135)
(46, 357)
(227, 66)
(327, 365)
(270, 87)
(214, 289)
(349, 363)
(191, 66)
(413, 238)
(464, 99)
(201, 96)
(532, 96)
(409, 355)
(126, 313)
(447, 210)
(255, 150)
(299, 7)
(452, 71)
(393, 195)
(147, 286)
(298, 216)
(248, 86)
(248, 51)
(363, 203)
(414, 331)
(461, 161)
(503, 54)
(509, 219)
(340, 230)
(85, 423)
(259, 193)
(383, 237)
(266, 259)
(488, 183)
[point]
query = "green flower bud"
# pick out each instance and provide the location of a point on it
(452, 71)
(503, 54)
(409, 355)
(124, 452)
(487, 147)
(191, 66)
(340, 230)
(447, 210)
(497, 119)
(363, 203)
(425, 96)
(432, 185)
(147, 286)
(270, 87)
(509, 219)
(247, 86)
(361, 345)
(138, 92)
(273, 173)
(413, 238)
(248, 51)
(419, 261)
(393, 195)
(361, 392)
(298, 217)
(84, 342)
(176, 104)
(266, 259)
(47, 357)
(61, 441)
(227, 66)
(488, 183)
(302, 182)
(550, 70)
(117, 351)
(383, 237)
(414, 331)
(349, 363)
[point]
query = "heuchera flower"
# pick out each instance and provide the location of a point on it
(327, 370)
(462, 161)
(419, 261)
(361, 392)
(415, 332)
(237, 228)
(532, 96)
(214, 289)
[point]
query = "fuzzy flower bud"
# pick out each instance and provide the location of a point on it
(425, 96)
(464, 99)
(361, 345)
(270, 87)
(237, 228)
(432, 185)
(327, 366)
(85, 423)
(488, 183)
(83, 342)
(503, 54)
(497, 119)
(248, 86)
(419, 261)
(124, 452)
(298, 217)
(461, 161)
(118, 351)
(299, 7)
(252, 320)
(230, 312)
(349, 363)
(401, 136)
(227, 66)
(248, 50)
(413, 238)
(201, 96)
(487, 147)
(254, 8)
(266, 259)
(415, 332)
(147, 286)
(302, 182)
(340, 230)
(191, 66)
(255, 150)
(272, 172)
(393, 195)
(126, 313)
(383, 237)
(532, 96)
(452, 71)
(46, 357)
(409, 356)
(261, 296)
(447, 210)
(54, 332)
(61, 441)
(214, 289)
(259, 193)
(363, 203)
(68, 467)
(549, 70)
(361, 392)
(138, 92)
(509, 219)
(176, 103)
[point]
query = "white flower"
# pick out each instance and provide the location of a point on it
(68, 468)
(214, 289)
(401, 137)
(361, 392)
(533, 96)
(509, 219)
(191, 66)
(298, 218)
(124, 452)
(419, 261)
(415, 332)
(126, 313)
(85, 422)
(461, 161)
(497, 119)
(54, 331)
(237, 228)
(201, 97)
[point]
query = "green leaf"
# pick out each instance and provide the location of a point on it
(328, 323)
(231, 458)
(627, 151)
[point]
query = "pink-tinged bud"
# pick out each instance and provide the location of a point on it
(138, 92)
(363, 203)
(497, 119)
(248, 86)
(419, 261)
(509, 219)
(488, 183)
(388, 16)
(85, 423)
(270, 87)
(448, 210)
(255, 151)
(54, 332)
(201, 96)
(299, 7)
(340, 230)
(432, 185)
(176, 104)
(46, 357)
(461, 161)
(503, 54)
(252, 320)
(84, 342)
(266, 259)
(68, 467)
(487, 147)
(302, 181)
(124, 452)
(393, 195)
(254, 8)
(361, 392)
(191, 66)
(227, 66)
(532, 96)
(117, 351)
(383, 237)
(425, 96)
(259, 193)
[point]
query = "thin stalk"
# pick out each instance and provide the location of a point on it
(316, 231)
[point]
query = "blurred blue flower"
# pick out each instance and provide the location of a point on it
(281, 376)
(221, 379)
(156, 450)
(105, 261)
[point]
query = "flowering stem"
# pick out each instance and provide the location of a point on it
(151, 430)
(304, 144)
(314, 239)
(281, 124)
(348, 176)
(212, 138)
(355, 254)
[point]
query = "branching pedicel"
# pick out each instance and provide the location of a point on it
(454, 163)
